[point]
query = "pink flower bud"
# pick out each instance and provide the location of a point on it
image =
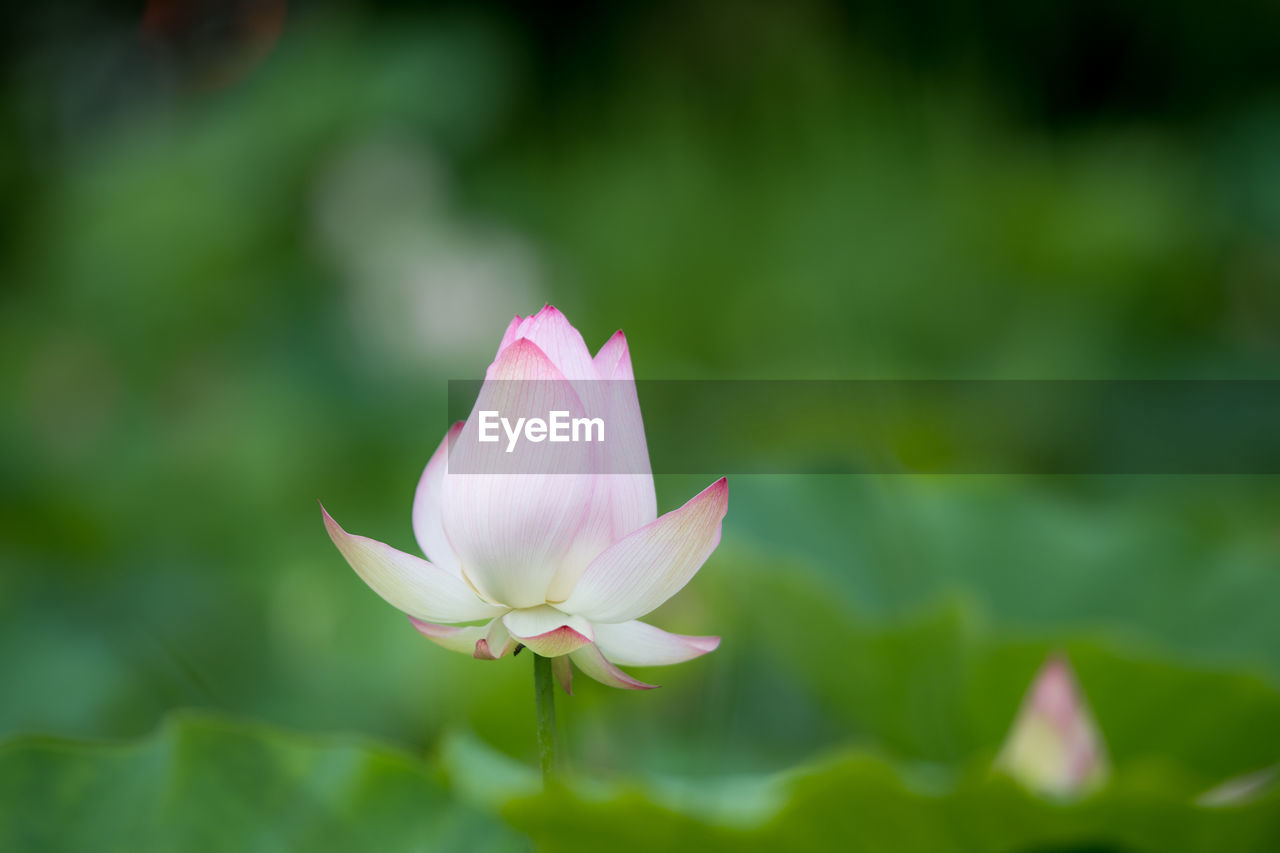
(1055, 747)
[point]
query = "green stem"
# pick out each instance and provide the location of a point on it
(544, 689)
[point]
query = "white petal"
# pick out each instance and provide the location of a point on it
(593, 664)
(652, 564)
(479, 641)
(496, 643)
(547, 631)
(631, 482)
(512, 517)
(455, 638)
(625, 499)
(408, 583)
(428, 523)
(640, 644)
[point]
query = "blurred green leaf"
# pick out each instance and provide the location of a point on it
(209, 784)
(934, 696)
(1185, 565)
(941, 687)
(857, 801)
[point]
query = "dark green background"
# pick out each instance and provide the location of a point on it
(234, 283)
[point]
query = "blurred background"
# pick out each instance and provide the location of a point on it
(245, 245)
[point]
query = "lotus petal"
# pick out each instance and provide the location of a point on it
(638, 643)
(644, 569)
(563, 673)
(547, 631)
(455, 638)
(595, 665)
(513, 517)
(408, 583)
(428, 521)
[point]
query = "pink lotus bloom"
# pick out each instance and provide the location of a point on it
(564, 554)
(1055, 747)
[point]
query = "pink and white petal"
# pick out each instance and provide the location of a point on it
(497, 643)
(595, 665)
(408, 583)
(511, 333)
(532, 621)
(632, 501)
(428, 523)
(455, 638)
(563, 344)
(625, 499)
(563, 673)
(643, 570)
(613, 360)
(595, 534)
(634, 504)
(638, 643)
(556, 642)
(512, 517)
(630, 485)
(548, 632)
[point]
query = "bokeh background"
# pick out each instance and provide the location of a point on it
(244, 247)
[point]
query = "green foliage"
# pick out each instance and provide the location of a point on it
(212, 783)
(190, 357)
(861, 802)
(202, 783)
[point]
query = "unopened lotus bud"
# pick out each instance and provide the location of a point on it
(1055, 747)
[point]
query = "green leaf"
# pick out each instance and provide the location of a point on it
(209, 784)
(938, 687)
(858, 801)
(932, 697)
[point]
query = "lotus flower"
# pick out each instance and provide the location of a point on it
(1055, 747)
(555, 548)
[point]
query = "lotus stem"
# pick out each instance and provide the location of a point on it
(544, 691)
